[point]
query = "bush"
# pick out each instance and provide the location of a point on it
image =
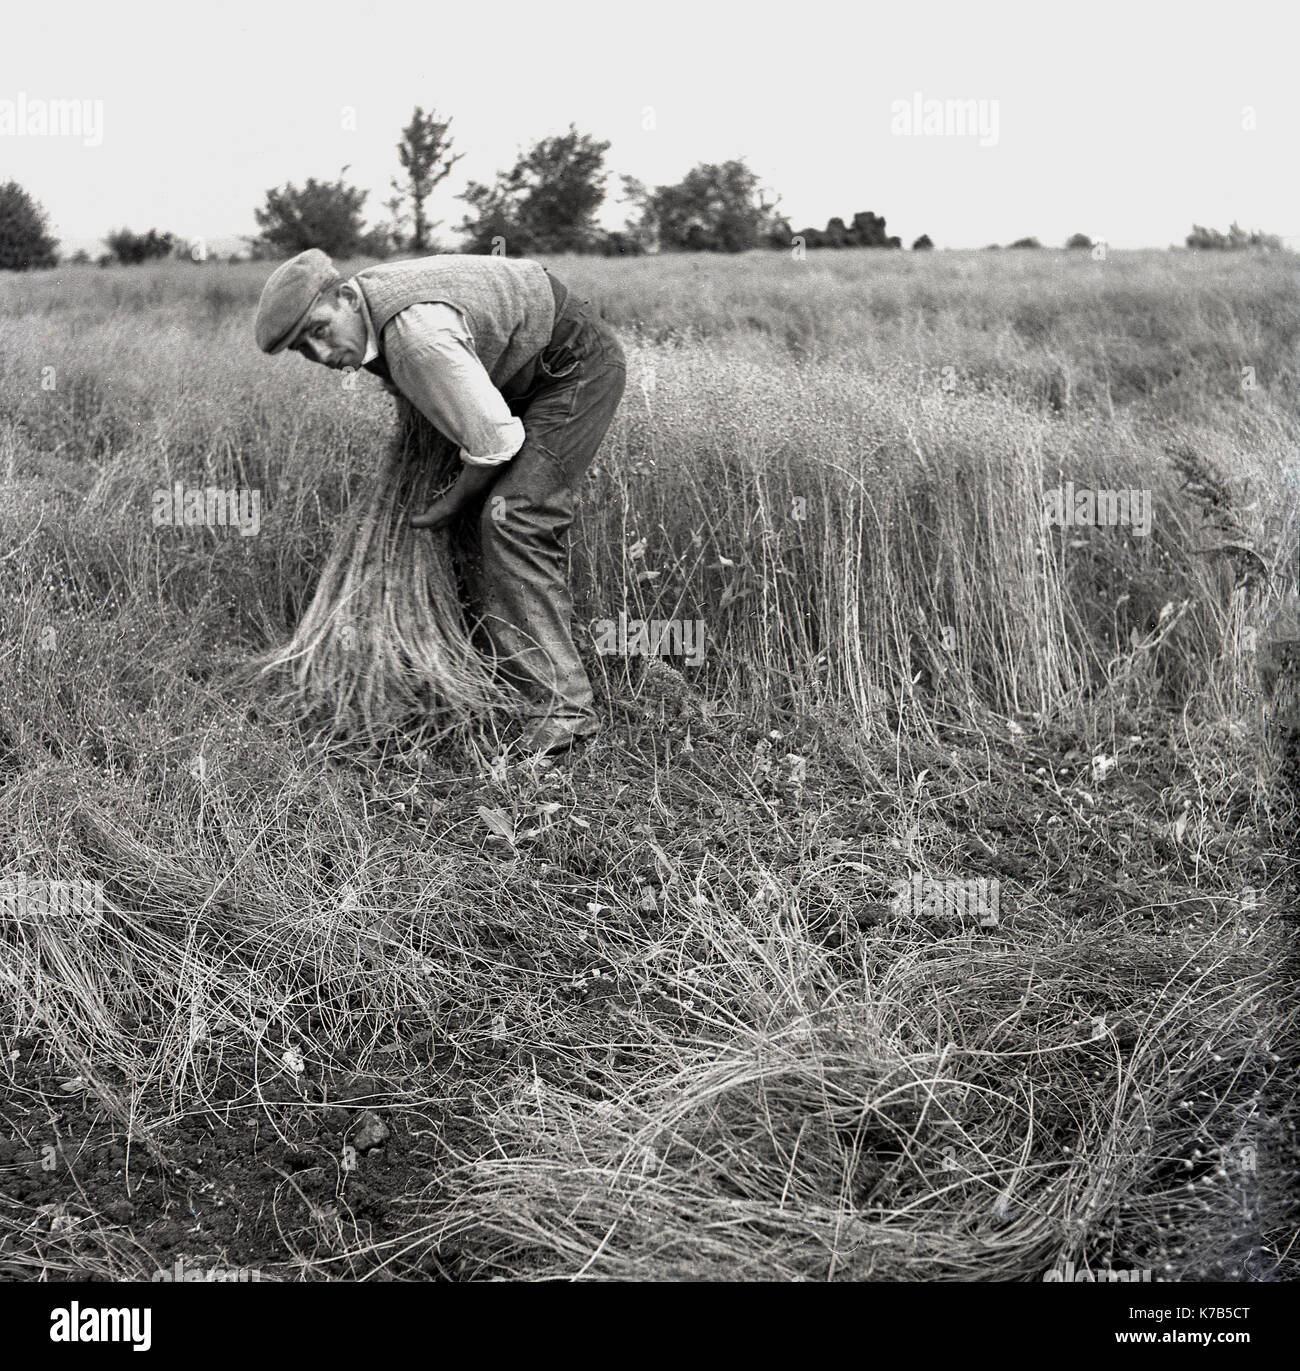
(866, 231)
(1026, 243)
(922, 244)
(619, 244)
(1232, 241)
(1079, 240)
(131, 249)
(25, 242)
(322, 214)
(547, 201)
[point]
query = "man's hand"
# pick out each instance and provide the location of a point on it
(439, 514)
(470, 486)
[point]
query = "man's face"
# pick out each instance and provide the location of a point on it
(334, 333)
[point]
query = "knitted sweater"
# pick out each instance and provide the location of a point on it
(507, 302)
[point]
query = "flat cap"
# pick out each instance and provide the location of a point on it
(288, 295)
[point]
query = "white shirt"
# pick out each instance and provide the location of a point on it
(433, 363)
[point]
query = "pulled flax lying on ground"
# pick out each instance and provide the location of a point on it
(385, 639)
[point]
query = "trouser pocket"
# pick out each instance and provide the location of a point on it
(557, 362)
(568, 346)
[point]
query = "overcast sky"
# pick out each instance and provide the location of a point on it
(1126, 121)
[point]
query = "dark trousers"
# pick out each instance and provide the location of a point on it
(512, 551)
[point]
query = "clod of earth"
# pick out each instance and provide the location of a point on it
(371, 1132)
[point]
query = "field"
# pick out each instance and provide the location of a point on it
(670, 1009)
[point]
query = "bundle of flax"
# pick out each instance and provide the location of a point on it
(384, 643)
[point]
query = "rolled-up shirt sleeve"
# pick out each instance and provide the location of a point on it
(432, 361)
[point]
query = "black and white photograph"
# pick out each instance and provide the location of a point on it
(648, 646)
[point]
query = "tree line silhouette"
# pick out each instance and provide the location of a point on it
(547, 202)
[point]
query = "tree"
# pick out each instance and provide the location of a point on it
(616, 243)
(836, 235)
(377, 242)
(323, 214)
(1235, 239)
(1026, 243)
(25, 240)
(547, 202)
(131, 248)
(713, 208)
(866, 231)
(397, 218)
(922, 243)
(637, 229)
(1078, 240)
(424, 155)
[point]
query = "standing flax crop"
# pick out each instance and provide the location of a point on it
(384, 643)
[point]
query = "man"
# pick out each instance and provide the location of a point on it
(525, 379)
